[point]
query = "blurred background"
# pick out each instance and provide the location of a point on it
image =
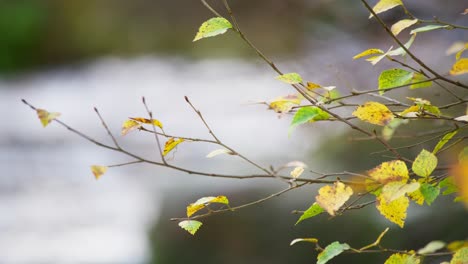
(69, 56)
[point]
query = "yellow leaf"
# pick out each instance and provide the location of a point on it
(46, 117)
(312, 86)
(398, 258)
(460, 175)
(129, 125)
(411, 111)
(368, 52)
(417, 196)
(98, 171)
(394, 190)
(148, 121)
(390, 171)
(284, 104)
(460, 67)
(384, 5)
(460, 256)
(402, 24)
(171, 143)
(331, 198)
(203, 202)
(456, 245)
(374, 113)
(394, 211)
(296, 172)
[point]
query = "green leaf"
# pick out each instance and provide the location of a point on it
(212, 27)
(419, 78)
(432, 109)
(190, 226)
(394, 78)
(313, 210)
(460, 257)
(384, 5)
(307, 114)
(427, 28)
(432, 247)
(425, 163)
(449, 185)
(331, 251)
(398, 258)
(444, 140)
(291, 78)
(429, 192)
(463, 155)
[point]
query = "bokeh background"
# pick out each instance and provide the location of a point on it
(69, 56)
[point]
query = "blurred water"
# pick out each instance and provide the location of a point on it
(53, 211)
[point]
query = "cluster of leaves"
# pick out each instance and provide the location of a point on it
(390, 185)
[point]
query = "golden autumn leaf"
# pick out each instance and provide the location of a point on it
(46, 117)
(148, 121)
(203, 202)
(460, 67)
(390, 171)
(128, 126)
(171, 143)
(331, 198)
(368, 52)
(374, 113)
(312, 86)
(98, 171)
(394, 211)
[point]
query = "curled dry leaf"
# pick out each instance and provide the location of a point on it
(98, 171)
(46, 117)
(129, 125)
(171, 143)
(219, 152)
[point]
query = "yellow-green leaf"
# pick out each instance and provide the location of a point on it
(46, 117)
(394, 78)
(394, 211)
(203, 202)
(171, 143)
(402, 24)
(460, 256)
(460, 67)
(374, 113)
(98, 171)
(424, 164)
(331, 198)
(148, 121)
(419, 81)
(368, 52)
(457, 245)
(384, 5)
(444, 140)
(291, 78)
(429, 192)
(398, 258)
(331, 251)
(212, 27)
(390, 171)
(129, 125)
(310, 240)
(312, 86)
(428, 28)
(312, 211)
(191, 226)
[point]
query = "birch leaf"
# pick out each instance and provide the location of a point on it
(148, 121)
(291, 78)
(424, 164)
(460, 67)
(129, 125)
(331, 251)
(219, 152)
(331, 198)
(212, 27)
(98, 171)
(46, 117)
(191, 226)
(402, 25)
(312, 211)
(384, 5)
(171, 143)
(394, 211)
(374, 113)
